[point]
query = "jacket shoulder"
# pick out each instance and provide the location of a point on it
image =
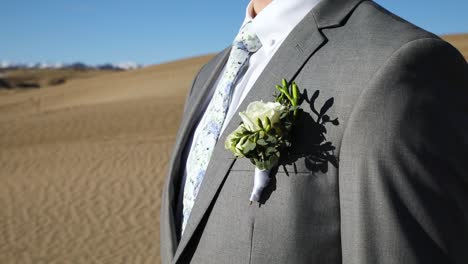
(383, 34)
(384, 28)
(386, 21)
(211, 65)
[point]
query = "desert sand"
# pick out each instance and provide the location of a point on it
(82, 164)
(460, 41)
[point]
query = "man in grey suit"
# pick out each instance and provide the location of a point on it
(396, 188)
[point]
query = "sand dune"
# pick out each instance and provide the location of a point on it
(82, 164)
(37, 77)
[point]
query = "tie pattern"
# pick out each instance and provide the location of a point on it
(208, 130)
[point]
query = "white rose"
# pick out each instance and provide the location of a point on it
(259, 109)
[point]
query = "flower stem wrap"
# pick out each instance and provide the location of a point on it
(261, 180)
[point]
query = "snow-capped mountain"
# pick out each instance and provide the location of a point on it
(129, 65)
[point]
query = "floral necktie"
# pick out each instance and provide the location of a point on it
(206, 134)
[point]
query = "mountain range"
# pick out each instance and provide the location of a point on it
(6, 65)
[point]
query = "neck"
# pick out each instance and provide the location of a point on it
(258, 6)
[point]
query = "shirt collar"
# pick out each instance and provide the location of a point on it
(274, 23)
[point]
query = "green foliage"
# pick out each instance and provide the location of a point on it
(264, 147)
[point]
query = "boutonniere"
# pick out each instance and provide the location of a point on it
(265, 132)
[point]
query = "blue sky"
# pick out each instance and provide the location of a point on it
(154, 31)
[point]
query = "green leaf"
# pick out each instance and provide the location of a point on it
(255, 137)
(271, 139)
(284, 90)
(249, 146)
(243, 140)
(279, 88)
(295, 92)
(270, 163)
(268, 121)
(260, 124)
(270, 151)
(262, 142)
(261, 134)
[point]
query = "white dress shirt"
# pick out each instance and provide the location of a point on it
(272, 25)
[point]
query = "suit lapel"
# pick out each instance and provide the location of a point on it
(191, 115)
(303, 41)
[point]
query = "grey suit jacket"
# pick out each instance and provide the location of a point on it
(398, 190)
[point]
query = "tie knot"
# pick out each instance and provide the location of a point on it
(247, 39)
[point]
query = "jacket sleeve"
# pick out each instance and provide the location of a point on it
(190, 91)
(404, 161)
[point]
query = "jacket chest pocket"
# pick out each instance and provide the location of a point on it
(298, 214)
(298, 184)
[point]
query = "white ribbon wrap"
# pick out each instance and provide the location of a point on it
(261, 180)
